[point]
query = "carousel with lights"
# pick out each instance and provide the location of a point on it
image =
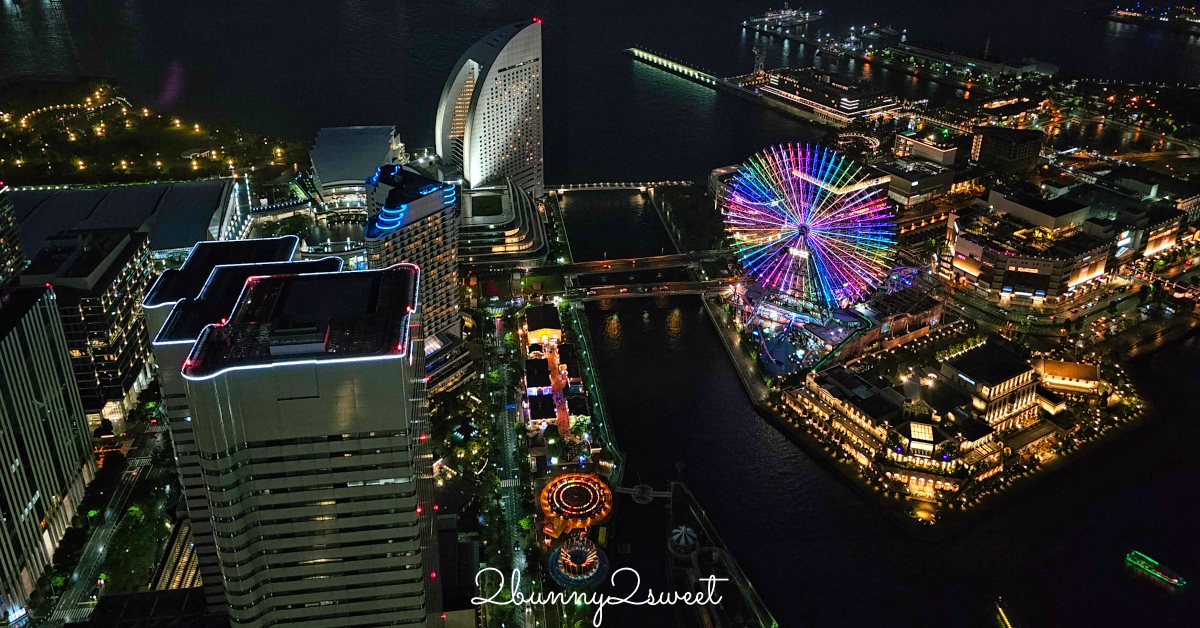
(578, 562)
(815, 235)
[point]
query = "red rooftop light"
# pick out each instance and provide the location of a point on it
(537, 20)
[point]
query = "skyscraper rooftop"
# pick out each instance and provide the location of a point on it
(188, 281)
(311, 317)
(350, 154)
(220, 294)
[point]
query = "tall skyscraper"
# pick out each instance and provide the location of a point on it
(12, 260)
(178, 307)
(414, 218)
(47, 448)
(309, 415)
(100, 277)
(489, 119)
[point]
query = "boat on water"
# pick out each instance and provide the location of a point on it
(1002, 619)
(830, 49)
(1142, 563)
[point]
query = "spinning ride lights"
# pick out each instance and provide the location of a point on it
(575, 501)
(578, 562)
(810, 224)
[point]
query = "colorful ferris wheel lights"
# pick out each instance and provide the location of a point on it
(811, 224)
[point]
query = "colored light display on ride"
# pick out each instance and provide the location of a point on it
(577, 562)
(810, 224)
(575, 501)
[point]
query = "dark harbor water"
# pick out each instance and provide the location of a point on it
(591, 216)
(290, 68)
(822, 556)
(819, 555)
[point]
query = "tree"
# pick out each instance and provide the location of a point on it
(105, 429)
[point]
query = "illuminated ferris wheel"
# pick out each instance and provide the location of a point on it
(810, 224)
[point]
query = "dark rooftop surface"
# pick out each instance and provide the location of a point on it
(177, 215)
(990, 364)
(567, 352)
(224, 284)
(14, 304)
(1031, 434)
(911, 300)
(175, 608)
(1076, 244)
(542, 407)
(542, 317)
(311, 317)
(1053, 207)
(187, 282)
(1049, 395)
(77, 254)
(970, 428)
(876, 407)
(944, 398)
(577, 405)
(850, 383)
(1011, 135)
(537, 372)
(350, 153)
(1167, 184)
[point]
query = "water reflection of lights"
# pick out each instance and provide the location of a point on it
(674, 324)
(612, 326)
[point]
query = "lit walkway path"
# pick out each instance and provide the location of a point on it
(559, 385)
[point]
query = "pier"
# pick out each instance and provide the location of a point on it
(639, 186)
(733, 85)
(830, 44)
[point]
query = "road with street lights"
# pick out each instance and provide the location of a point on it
(83, 580)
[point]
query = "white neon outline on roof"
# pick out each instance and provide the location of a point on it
(157, 342)
(157, 280)
(402, 347)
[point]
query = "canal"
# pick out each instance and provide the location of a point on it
(820, 555)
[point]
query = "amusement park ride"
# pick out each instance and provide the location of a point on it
(815, 235)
